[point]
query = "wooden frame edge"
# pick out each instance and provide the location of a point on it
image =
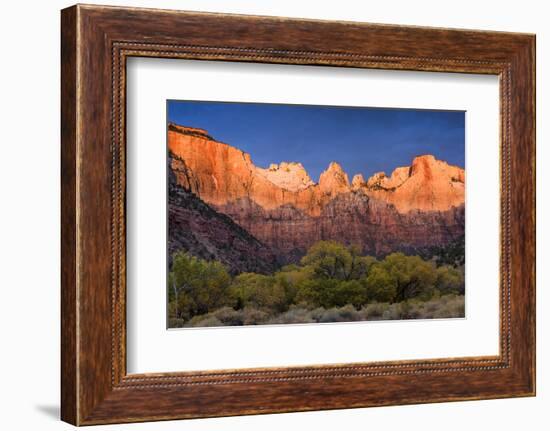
(69, 304)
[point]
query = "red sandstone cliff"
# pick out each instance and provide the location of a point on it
(220, 173)
(416, 206)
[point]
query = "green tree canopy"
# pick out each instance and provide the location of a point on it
(327, 293)
(450, 280)
(332, 260)
(380, 285)
(197, 285)
(403, 277)
(258, 290)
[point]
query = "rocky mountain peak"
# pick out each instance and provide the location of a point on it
(334, 180)
(429, 168)
(380, 181)
(425, 165)
(357, 182)
(428, 185)
(398, 177)
(290, 176)
(376, 180)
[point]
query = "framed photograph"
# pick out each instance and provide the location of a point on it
(266, 215)
(299, 250)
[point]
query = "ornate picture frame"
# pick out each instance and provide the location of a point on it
(96, 41)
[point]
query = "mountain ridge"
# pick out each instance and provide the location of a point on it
(220, 173)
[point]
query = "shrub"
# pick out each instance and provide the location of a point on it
(176, 323)
(374, 311)
(294, 315)
(204, 321)
(343, 314)
(228, 316)
(253, 316)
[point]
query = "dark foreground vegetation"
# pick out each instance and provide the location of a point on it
(332, 283)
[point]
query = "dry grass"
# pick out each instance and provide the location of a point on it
(448, 306)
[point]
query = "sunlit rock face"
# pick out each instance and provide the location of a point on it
(289, 176)
(427, 185)
(416, 206)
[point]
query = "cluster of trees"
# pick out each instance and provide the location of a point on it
(451, 254)
(329, 276)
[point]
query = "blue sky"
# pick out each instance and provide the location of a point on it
(362, 140)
